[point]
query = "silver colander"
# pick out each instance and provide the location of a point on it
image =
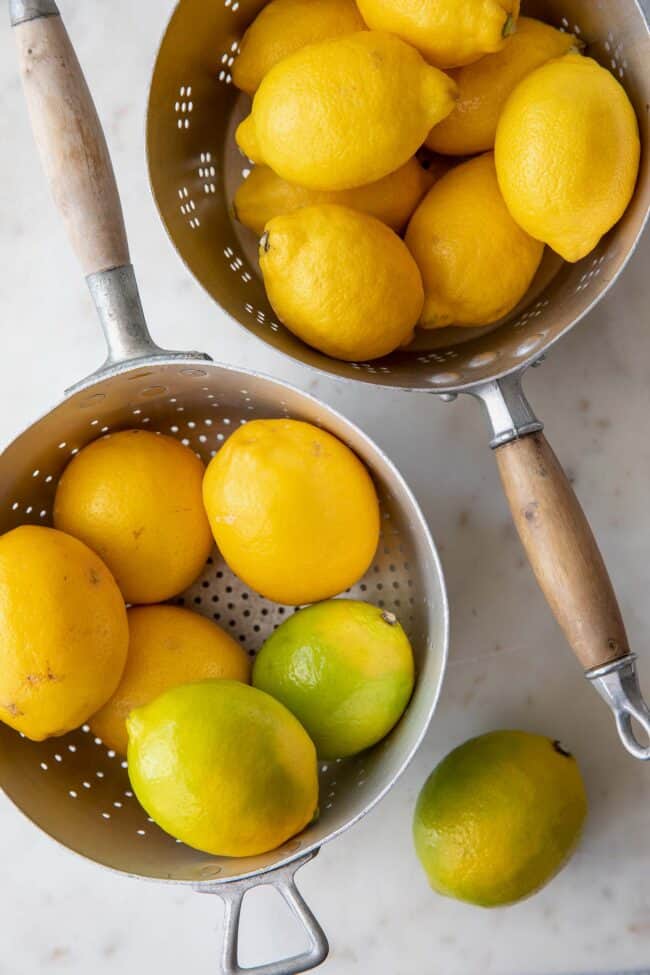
(195, 168)
(72, 787)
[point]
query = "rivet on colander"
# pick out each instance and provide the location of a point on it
(445, 377)
(528, 345)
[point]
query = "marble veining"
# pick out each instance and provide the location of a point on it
(509, 666)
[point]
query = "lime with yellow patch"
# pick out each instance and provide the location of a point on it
(168, 646)
(223, 767)
(499, 817)
(344, 668)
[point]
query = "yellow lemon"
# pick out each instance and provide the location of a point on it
(284, 26)
(449, 33)
(341, 281)
(167, 646)
(293, 510)
(484, 87)
(392, 200)
(135, 498)
(345, 112)
(476, 262)
(63, 632)
(223, 767)
(344, 668)
(567, 154)
(498, 818)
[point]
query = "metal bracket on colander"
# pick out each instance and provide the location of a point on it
(117, 301)
(509, 413)
(20, 11)
(283, 880)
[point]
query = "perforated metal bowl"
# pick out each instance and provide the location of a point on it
(72, 787)
(195, 168)
(75, 788)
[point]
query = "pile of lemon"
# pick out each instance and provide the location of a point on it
(344, 97)
(86, 634)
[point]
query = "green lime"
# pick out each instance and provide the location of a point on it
(499, 816)
(223, 767)
(344, 668)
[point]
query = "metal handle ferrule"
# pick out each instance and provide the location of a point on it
(20, 11)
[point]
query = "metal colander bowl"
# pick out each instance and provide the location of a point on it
(76, 789)
(73, 787)
(195, 168)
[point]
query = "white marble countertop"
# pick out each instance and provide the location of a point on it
(509, 666)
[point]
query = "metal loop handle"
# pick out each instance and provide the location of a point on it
(232, 894)
(618, 685)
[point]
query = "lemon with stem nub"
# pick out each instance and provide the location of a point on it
(484, 87)
(293, 510)
(63, 632)
(476, 261)
(341, 281)
(320, 117)
(283, 27)
(449, 33)
(135, 498)
(265, 195)
(567, 154)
